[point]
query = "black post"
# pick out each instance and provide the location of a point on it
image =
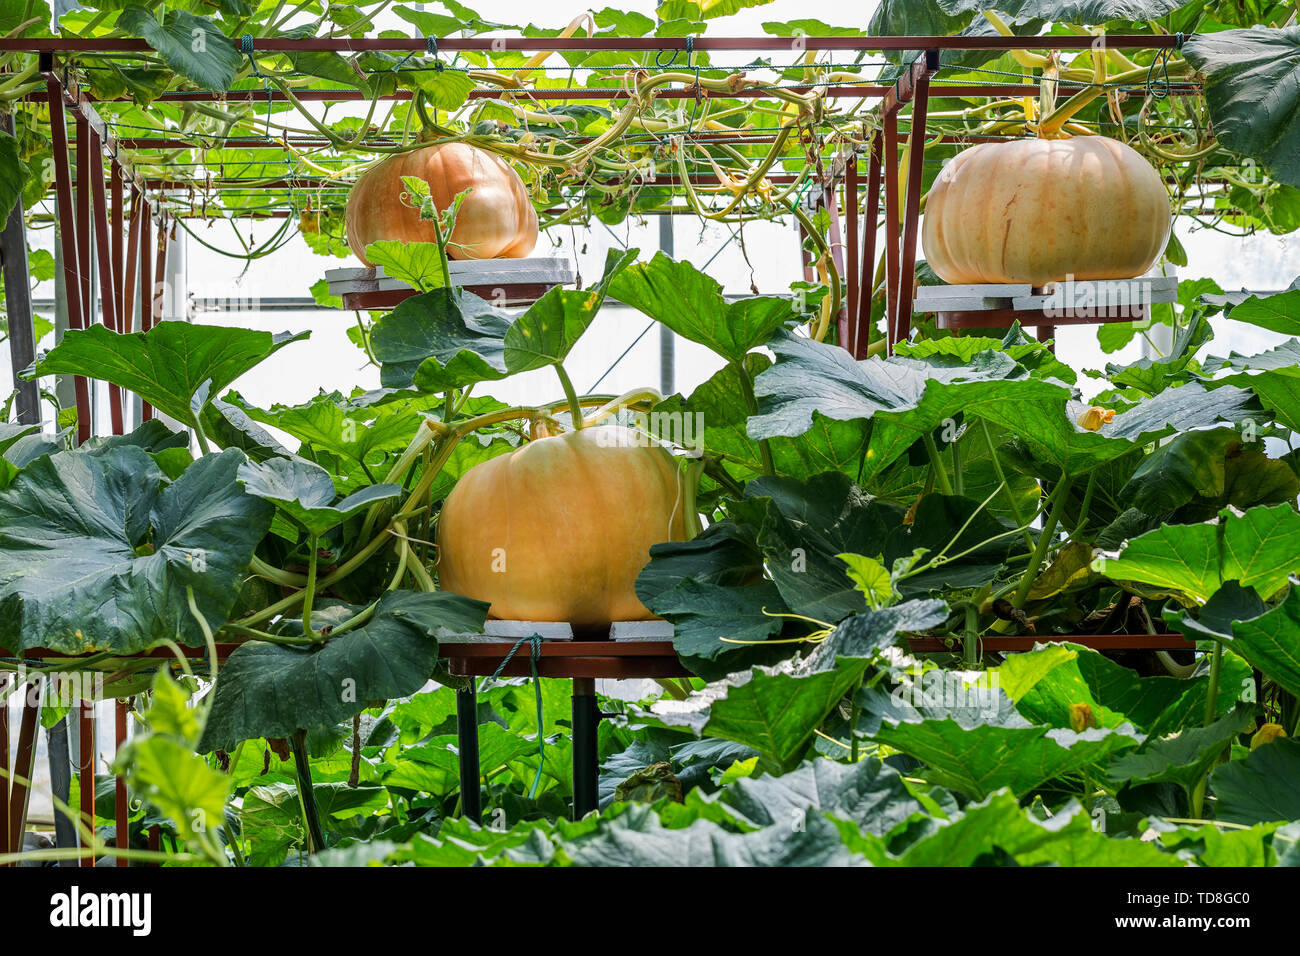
(471, 803)
(18, 305)
(586, 765)
(65, 831)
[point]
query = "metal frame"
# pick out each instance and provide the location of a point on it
(90, 210)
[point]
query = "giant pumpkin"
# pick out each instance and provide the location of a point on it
(560, 529)
(1039, 210)
(496, 221)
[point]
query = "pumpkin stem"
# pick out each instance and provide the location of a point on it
(575, 407)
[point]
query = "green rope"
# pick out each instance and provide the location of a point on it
(535, 644)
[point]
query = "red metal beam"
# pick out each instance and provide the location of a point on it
(889, 157)
(21, 768)
(108, 299)
(148, 256)
(115, 195)
(68, 238)
(851, 229)
(867, 268)
(139, 211)
(920, 96)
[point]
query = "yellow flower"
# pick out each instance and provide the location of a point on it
(1095, 417)
(1266, 734)
(1082, 717)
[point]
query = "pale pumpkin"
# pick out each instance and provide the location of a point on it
(1040, 210)
(560, 529)
(496, 221)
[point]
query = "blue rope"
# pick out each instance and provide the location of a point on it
(1158, 89)
(535, 644)
(246, 48)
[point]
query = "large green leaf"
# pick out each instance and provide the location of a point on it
(807, 526)
(1252, 87)
(977, 743)
(907, 398)
(170, 366)
(447, 338)
(1262, 787)
(97, 552)
(269, 690)
(1208, 470)
(1186, 757)
(692, 305)
(1279, 312)
(1045, 683)
(551, 326)
(195, 47)
(706, 617)
(1259, 549)
(869, 793)
(640, 839)
(13, 174)
(721, 407)
(1269, 638)
(725, 553)
(305, 492)
(999, 828)
(331, 423)
(776, 710)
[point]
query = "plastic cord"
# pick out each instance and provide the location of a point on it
(535, 651)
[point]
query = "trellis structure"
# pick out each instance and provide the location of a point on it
(128, 218)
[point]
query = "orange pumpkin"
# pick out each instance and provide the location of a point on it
(1039, 210)
(560, 529)
(496, 221)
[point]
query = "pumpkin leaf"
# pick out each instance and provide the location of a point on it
(551, 326)
(418, 264)
(268, 690)
(1252, 88)
(1185, 757)
(305, 492)
(444, 339)
(1263, 636)
(692, 305)
(907, 398)
(980, 744)
(169, 365)
(807, 526)
(719, 404)
(97, 551)
(1212, 468)
(706, 617)
(1263, 786)
(13, 174)
(1190, 562)
(195, 47)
